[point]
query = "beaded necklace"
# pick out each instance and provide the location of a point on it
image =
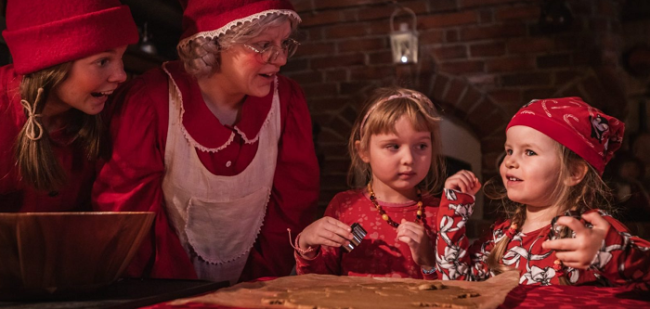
(385, 216)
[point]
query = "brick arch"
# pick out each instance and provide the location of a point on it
(456, 97)
(464, 101)
(485, 115)
(601, 88)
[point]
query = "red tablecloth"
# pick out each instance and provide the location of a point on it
(562, 297)
(568, 297)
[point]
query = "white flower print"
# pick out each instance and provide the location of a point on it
(514, 255)
(450, 194)
(445, 227)
(462, 210)
(573, 274)
(479, 273)
(497, 235)
(604, 255)
(451, 262)
(453, 253)
(538, 275)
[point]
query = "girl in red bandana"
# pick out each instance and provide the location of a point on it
(557, 230)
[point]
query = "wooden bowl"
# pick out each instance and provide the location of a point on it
(44, 254)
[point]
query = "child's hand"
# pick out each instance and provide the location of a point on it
(463, 181)
(324, 231)
(416, 238)
(579, 252)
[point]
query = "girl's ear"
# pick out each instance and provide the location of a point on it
(363, 153)
(577, 173)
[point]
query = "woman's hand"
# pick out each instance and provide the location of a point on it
(580, 251)
(463, 181)
(416, 238)
(324, 231)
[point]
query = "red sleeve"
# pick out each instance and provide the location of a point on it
(294, 195)
(623, 259)
(328, 259)
(131, 178)
(455, 259)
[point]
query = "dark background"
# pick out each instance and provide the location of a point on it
(480, 60)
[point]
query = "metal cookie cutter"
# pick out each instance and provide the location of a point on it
(358, 233)
(555, 230)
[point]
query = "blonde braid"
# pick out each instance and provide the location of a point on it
(494, 259)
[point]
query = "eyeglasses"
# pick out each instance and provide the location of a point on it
(268, 52)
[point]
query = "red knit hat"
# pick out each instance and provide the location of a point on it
(584, 129)
(209, 18)
(43, 33)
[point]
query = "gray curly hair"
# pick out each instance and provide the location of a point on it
(200, 56)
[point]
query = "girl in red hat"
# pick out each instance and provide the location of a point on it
(557, 230)
(219, 145)
(67, 59)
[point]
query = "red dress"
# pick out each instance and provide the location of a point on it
(623, 259)
(380, 254)
(132, 178)
(17, 196)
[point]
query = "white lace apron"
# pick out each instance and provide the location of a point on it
(217, 218)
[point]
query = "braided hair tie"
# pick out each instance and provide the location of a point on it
(31, 125)
(512, 231)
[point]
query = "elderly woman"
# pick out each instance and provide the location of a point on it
(219, 146)
(67, 60)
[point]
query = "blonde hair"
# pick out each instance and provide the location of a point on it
(382, 110)
(590, 193)
(37, 164)
(200, 56)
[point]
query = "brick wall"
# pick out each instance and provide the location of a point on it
(636, 33)
(480, 60)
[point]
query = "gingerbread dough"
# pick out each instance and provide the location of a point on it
(328, 291)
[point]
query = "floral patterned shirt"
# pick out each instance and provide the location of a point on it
(622, 260)
(379, 254)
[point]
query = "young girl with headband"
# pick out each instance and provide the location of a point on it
(395, 148)
(557, 230)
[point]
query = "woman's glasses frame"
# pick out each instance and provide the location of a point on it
(271, 53)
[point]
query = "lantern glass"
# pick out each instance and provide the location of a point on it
(404, 45)
(404, 42)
